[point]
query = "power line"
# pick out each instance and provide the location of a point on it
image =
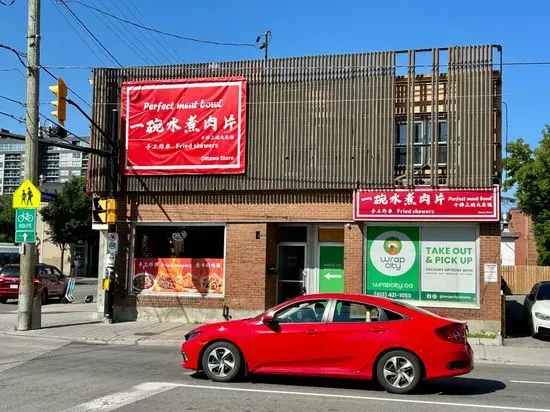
(19, 119)
(124, 37)
(9, 99)
(71, 90)
(77, 32)
(189, 66)
(140, 18)
(18, 53)
(158, 51)
(90, 33)
(177, 36)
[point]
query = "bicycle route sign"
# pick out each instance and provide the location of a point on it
(25, 225)
(26, 196)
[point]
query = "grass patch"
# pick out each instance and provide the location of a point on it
(483, 335)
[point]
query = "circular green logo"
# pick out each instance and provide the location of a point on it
(393, 246)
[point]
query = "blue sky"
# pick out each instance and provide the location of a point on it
(298, 28)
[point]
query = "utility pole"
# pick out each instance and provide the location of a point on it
(265, 45)
(28, 259)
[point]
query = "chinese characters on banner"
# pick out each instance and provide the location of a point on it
(192, 126)
(186, 276)
(427, 204)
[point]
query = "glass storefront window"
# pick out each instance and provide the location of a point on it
(180, 259)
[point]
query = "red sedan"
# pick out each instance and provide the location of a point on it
(334, 335)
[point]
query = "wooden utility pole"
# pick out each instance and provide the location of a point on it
(28, 259)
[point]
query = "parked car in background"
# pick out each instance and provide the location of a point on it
(48, 282)
(537, 309)
(334, 335)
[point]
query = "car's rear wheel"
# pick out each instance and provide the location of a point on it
(399, 371)
(3, 300)
(221, 361)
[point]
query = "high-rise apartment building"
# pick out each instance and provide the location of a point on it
(56, 165)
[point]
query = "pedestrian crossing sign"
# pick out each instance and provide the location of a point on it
(26, 196)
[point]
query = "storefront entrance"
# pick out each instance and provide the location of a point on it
(291, 263)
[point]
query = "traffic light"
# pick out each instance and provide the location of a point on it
(104, 210)
(60, 90)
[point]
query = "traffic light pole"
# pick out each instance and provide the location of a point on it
(28, 259)
(112, 183)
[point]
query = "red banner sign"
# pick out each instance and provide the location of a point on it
(179, 275)
(427, 204)
(192, 126)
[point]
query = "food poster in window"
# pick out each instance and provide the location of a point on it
(393, 262)
(449, 268)
(187, 276)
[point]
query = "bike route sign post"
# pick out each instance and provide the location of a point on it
(26, 199)
(25, 225)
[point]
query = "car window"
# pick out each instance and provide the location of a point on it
(57, 273)
(347, 311)
(10, 271)
(533, 291)
(303, 312)
(544, 292)
(42, 272)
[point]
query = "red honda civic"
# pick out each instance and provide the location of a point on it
(334, 335)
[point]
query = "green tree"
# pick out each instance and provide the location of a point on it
(7, 219)
(70, 216)
(529, 171)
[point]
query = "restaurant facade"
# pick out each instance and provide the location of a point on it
(244, 184)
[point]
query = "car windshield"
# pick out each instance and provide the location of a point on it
(544, 292)
(10, 271)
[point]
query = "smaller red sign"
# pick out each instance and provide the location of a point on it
(423, 204)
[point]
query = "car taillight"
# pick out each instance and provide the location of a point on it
(453, 333)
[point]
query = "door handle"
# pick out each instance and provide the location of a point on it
(378, 330)
(312, 332)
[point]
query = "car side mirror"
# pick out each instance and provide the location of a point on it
(268, 319)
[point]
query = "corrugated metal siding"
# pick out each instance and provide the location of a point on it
(470, 114)
(324, 122)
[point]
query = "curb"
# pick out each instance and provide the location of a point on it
(95, 341)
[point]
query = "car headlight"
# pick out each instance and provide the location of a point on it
(191, 335)
(542, 316)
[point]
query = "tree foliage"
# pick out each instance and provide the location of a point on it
(529, 171)
(69, 217)
(7, 219)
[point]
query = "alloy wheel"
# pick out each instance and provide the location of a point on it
(221, 362)
(399, 372)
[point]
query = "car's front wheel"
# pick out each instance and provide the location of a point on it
(399, 371)
(221, 361)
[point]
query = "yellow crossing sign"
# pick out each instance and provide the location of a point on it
(26, 196)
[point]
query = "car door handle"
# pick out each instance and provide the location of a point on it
(312, 332)
(378, 330)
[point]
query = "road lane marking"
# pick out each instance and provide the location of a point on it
(357, 397)
(120, 399)
(532, 382)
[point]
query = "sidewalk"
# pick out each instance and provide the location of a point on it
(77, 322)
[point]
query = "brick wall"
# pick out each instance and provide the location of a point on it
(248, 284)
(353, 258)
(526, 246)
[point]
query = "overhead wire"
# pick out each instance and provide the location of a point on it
(77, 32)
(124, 38)
(68, 87)
(140, 18)
(177, 36)
(90, 33)
(148, 40)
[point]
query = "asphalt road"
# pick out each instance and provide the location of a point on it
(46, 375)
